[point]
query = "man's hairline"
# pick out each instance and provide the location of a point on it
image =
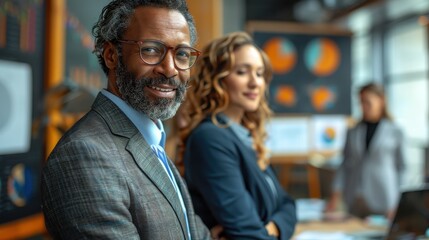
(192, 44)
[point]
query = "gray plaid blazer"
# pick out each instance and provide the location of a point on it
(103, 181)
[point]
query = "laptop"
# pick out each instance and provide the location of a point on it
(411, 221)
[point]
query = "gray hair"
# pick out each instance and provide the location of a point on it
(114, 20)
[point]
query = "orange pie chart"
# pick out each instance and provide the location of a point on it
(282, 54)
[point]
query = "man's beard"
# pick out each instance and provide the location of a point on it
(132, 91)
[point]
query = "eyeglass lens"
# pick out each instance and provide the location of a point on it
(153, 52)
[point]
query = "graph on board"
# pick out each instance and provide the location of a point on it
(82, 66)
(19, 21)
(282, 54)
(312, 72)
(22, 54)
(322, 56)
(322, 98)
(20, 185)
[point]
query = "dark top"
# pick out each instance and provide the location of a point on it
(228, 188)
(370, 130)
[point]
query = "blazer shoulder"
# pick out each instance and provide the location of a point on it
(208, 129)
(208, 134)
(355, 128)
(113, 117)
(391, 124)
(394, 128)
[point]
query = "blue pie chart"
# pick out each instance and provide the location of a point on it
(20, 186)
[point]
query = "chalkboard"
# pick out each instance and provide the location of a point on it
(312, 67)
(21, 107)
(82, 67)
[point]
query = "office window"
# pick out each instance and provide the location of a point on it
(406, 49)
(362, 69)
(362, 62)
(406, 79)
(409, 107)
(414, 172)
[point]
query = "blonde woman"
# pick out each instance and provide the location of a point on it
(227, 170)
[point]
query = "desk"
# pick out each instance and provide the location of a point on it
(309, 161)
(347, 226)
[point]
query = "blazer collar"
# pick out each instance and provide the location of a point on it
(376, 140)
(118, 123)
(143, 155)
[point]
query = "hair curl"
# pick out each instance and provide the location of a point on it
(208, 96)
(114, 19)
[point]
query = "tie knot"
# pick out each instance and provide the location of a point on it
(159, 151)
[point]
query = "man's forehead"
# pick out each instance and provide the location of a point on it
(150, 22)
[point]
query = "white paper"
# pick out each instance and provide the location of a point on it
(309, 209)
(328, 132)
(316, 235)
(288, 135)
(15, 107)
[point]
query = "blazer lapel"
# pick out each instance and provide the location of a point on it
(377, 137)
(149, 164)
(359, 142)
(143, 155)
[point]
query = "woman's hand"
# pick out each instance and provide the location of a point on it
(391, 214)
(216, 232)
(334, 202)
(272, 229)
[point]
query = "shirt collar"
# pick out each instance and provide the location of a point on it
(152, 130)
(240, 131)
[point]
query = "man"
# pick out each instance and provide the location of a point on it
(108, 177)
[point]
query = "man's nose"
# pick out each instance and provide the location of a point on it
(167, 67)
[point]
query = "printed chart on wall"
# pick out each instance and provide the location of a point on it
(312, 72)
(21, 101)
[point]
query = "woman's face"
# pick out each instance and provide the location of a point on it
(245, 84)
(372, 106)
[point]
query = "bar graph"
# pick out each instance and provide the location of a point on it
(19, 24)
(83, 78)
(22, 34)
(82, 66)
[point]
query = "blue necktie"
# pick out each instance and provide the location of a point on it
(160, 153)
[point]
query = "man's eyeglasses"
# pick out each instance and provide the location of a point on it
(153, 52)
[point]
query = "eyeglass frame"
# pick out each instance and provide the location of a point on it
(167, 47)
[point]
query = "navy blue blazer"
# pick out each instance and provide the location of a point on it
(229, 189)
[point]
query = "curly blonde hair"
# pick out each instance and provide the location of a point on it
(208, 96)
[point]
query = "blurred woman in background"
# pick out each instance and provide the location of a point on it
(369, 178)
(227, 169)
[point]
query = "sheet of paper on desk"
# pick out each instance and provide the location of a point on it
(312, 235)
(309, 209)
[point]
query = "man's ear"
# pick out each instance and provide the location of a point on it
(110, 55)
